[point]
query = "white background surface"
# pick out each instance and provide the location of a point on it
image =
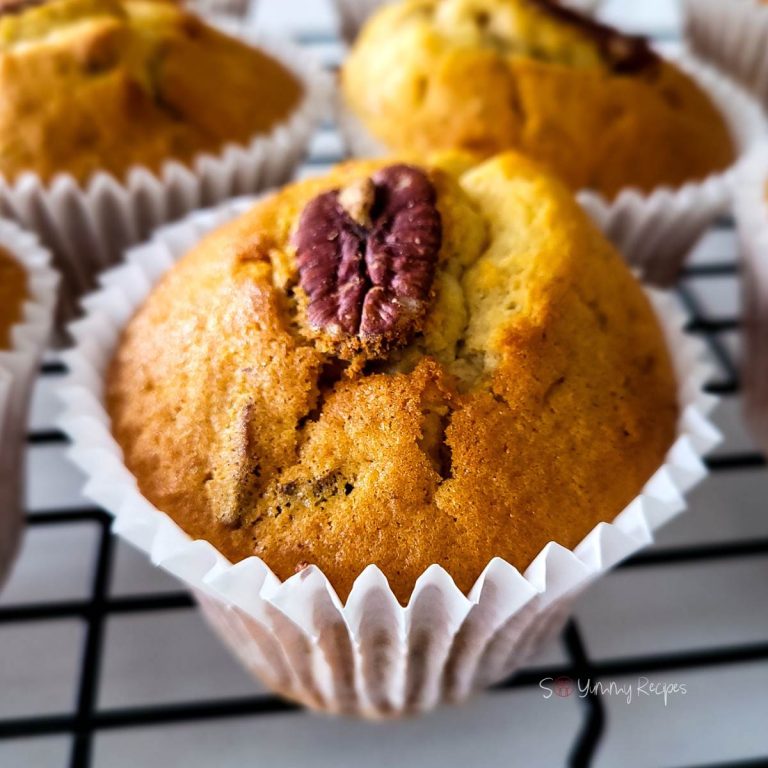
(171, 657)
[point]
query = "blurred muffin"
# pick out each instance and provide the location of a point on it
(597, 107)
(13, 292)
(105, 85)
(118, 116)
(397, 366)
(27, 297)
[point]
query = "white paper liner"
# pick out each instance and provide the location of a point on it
(732, 34)
(354, 13)
(88, 226)
(370, 657)
(237, 10)
(654, 231)
(751, 208)
(18, 367)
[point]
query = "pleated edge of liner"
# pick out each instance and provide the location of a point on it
(751, 198)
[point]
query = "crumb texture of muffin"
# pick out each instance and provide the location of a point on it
(597, 107)
(90, 85)
(13, 292)
(465, 370)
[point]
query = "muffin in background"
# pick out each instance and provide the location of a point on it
(732, 35)
(393, 366)
(118, 115)
(27, 298)
(105, 85)
(13, 294)
(598, 108)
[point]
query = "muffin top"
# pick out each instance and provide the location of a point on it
(597, 107)
(13, 292)
(89, 85)
(396, 364)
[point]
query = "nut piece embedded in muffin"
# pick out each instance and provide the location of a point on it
(13, 292)
(398, 366)
(366, 256)
(599, 108)
(104, 85)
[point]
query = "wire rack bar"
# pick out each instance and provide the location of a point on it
(92, 652)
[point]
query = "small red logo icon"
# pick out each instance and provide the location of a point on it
(563, 686)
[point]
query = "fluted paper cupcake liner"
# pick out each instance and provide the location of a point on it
(354, 13)
(370, 656)
(733, 35)
(752, 218)
(232, 10)
(88, 226)
(18, 367)
(654, 231)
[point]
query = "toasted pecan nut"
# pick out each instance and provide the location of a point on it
(366, 256)
(624, 54)
(8, 7)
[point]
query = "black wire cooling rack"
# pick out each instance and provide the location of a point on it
(88, 720)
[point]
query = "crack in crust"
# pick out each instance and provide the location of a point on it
(366, 256)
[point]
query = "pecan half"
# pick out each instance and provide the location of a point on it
(624, 54)
(11, 7)
(366, 256)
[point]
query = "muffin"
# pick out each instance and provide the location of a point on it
(117, 115)
(734, 36)
(27, 295)
(398, 366)
(105, 85)
(490, 75)
(13, 293)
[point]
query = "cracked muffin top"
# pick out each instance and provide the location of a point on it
(89, 85)
(597, 107)
(13, 292)
(396, 364)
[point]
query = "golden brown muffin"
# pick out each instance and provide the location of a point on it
(89, 85)
(13, 291)
(393, 365)
(598, 108)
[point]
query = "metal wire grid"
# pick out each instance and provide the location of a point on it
(88, 719)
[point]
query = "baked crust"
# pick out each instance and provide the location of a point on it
(491, 75)
(90, 85)
(13, 292)
(537, 401)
